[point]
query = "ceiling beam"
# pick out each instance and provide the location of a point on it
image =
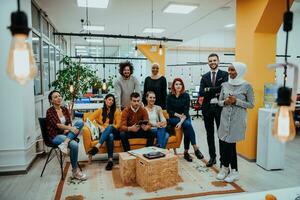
(134, 37)
(209, 49)
(107, 57)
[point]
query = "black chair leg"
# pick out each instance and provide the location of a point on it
(46, 161)
(61, 165)
(79, 166)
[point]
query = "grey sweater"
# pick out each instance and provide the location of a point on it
(123, 90)
(234, 117)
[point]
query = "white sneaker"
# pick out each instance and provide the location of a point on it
(233, 176)
(63, 148)
(223, 173)
(79, 175)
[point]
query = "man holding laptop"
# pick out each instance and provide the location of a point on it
(135, 123)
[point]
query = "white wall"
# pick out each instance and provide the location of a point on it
(17, 144)
(293, 47)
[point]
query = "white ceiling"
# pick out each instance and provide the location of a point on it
(130, 17)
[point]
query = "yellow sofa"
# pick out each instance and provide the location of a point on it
(136, 143)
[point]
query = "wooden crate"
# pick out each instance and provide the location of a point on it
(127, 165)
(157, 174)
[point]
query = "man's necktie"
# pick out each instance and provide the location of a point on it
(213, 80)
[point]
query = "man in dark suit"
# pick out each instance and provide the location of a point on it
(210, 88)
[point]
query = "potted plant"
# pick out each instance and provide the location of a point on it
(74, 80)
(96, 85)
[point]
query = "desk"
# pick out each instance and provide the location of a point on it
(281, 194)
(87, 106)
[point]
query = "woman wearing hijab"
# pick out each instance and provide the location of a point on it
(236, 97)
(157, 84)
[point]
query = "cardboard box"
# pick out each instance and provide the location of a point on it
(127, 165)
(157, 174)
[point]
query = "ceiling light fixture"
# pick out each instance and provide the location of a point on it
(139, 42)
(93, 40)
(179, 8)
(229, 25)
(80, 47)
(154, 30)
(21, 64)
(93, 28)
(93, 3)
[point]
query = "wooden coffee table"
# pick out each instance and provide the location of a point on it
(150, 174)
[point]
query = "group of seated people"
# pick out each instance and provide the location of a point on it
(134, 121)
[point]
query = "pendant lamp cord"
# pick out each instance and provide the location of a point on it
(18, 2)
(286, 48)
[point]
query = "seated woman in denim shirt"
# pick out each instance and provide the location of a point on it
(157, 120)
(61, 131)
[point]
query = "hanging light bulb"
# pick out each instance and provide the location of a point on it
(104, 86)
(284, 125)
(136, 51)
(21, 64)
(160, 50)
(71, 88)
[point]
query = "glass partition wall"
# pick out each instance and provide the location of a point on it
(48, 49)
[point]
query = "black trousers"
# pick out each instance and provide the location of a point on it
(211, 115)
(228, 154)
(125, 136)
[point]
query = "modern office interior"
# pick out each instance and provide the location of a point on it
(179, 35)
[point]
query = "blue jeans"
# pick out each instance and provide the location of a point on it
(188, 131)
(108, 135)
(73, 145)
(162, 136)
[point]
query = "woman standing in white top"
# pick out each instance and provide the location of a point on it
(157, 120)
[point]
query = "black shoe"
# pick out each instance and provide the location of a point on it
(198, 154)
(187, 157)
(211, 162)
(77, 140)
(109, 165)
(93, 151)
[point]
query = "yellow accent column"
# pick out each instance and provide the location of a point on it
(153, 56)
(257, 24)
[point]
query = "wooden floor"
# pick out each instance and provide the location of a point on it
(253, 178)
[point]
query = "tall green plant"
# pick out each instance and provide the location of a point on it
(76, 74)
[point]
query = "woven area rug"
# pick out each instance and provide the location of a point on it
(195, 179)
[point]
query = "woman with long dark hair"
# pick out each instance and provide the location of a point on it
(62, 132)
(178, 105)
(108, 119)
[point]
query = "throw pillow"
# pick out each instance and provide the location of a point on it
(93, 129)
